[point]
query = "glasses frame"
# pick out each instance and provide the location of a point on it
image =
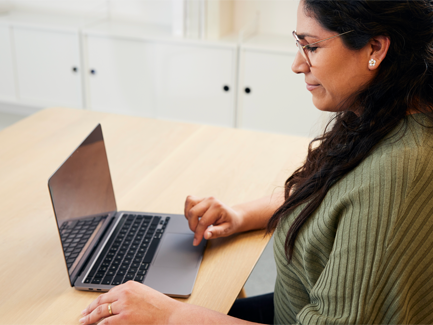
(302, 48)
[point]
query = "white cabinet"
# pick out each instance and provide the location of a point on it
(120, 76)
(273, 98)
(141, 69)
(7, 78)
(196, 83)
(48, 66)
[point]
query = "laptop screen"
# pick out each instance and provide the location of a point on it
(82, 196)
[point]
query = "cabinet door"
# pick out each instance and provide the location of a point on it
(7, 79)
(120, 76)
(48, 65)
(195, 83)
(274, 99)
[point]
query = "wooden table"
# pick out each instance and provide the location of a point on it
(154, 165)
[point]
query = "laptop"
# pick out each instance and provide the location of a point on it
(104, 247)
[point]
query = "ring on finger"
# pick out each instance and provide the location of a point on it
(110, 311)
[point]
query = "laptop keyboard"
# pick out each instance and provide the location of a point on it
(128, 253)
(75, 235)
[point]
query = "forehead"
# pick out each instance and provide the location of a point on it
(307, 25)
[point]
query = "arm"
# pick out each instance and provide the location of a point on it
(225, 221)
(257, 213)
(134, 303)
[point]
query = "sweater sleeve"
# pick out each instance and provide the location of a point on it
(365, 256)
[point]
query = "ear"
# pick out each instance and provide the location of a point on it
(378, 47)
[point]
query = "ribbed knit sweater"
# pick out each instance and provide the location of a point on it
(366, 254)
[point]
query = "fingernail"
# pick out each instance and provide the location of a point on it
(209, 234)
(194, 243)
(82, 320)
(84, 312)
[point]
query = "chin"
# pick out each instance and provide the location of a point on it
(321, 105)
(325, 105)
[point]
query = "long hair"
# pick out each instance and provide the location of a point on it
(404, 81)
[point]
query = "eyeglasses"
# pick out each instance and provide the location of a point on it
(302, 48)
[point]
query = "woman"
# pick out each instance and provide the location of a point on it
(353, 239)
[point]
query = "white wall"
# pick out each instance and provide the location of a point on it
(276, 16)
(72, 7)
(148, 11)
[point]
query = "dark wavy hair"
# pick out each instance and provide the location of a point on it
(404, 81)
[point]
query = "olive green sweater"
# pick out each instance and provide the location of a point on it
(366, 254)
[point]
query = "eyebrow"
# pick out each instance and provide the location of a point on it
(302, 36)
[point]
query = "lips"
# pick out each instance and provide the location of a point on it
(311, 87)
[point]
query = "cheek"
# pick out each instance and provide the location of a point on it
(338, 82)
(331, 93)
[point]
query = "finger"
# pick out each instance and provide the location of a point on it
(100, 312)
(113, 320)
(190, 202)
(108, 297)
(221, 230)
(209, 218)
(197, 212)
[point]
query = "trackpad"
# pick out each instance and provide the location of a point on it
(177, 251)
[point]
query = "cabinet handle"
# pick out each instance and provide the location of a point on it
(247, 90)
(226, 88)
(74, 69)
(93, 71)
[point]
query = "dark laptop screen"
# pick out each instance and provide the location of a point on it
(82, 196)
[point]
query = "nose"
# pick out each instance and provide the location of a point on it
(299, 64)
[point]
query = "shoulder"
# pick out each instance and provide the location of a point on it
(399, 160)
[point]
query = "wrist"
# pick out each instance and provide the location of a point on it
(242, 214)
(177, 309)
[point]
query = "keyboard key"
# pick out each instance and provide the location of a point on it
(144, 266)
(139, 278)
(152, 250)
(96, 281)
(107, 280)
(130, 276)
(117, 280)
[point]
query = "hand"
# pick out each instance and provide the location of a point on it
(205, 212)
(131, 303)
